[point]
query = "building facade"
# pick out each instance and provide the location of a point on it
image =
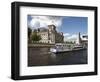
(78, 41)
(50, 35)
(82, 40)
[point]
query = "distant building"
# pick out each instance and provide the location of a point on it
(85, 40)
(78, 41)
(50, 35)
(82, 41)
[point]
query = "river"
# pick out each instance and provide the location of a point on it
(42, 57)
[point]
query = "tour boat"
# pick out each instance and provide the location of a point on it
(59, 48)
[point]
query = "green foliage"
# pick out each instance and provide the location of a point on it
(69, 42)
(29, 32)
(35, 37)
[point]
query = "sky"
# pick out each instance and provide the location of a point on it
(70, 26)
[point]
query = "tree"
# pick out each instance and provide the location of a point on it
(29, 32)
(35, 37)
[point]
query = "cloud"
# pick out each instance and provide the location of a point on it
(66, 34)
(44, 21)
(70, 37)
(74, 36)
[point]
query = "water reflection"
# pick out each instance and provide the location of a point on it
(43, 57)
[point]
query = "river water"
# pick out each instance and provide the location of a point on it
(43, 57)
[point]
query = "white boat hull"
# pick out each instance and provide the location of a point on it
(64, 50)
